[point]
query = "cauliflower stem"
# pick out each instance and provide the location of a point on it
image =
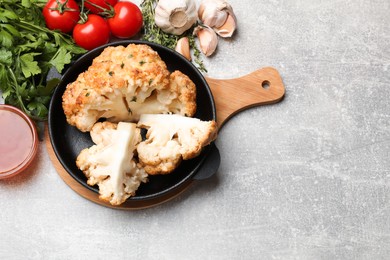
(110, 163)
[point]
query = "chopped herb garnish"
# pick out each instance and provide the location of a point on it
(122, 65)
(130, 56)
(87, 94)
(142, 62)
(150, 81)
(110, 73)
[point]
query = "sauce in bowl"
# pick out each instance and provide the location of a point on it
(18, 141)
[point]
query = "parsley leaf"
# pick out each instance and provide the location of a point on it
(5, 57)
(60, 59)
(28, 51)
(28, 65)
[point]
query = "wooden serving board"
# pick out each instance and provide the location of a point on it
(261, 87)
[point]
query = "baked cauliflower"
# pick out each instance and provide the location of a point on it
(110, 163)
(124, 82)
(170, 139)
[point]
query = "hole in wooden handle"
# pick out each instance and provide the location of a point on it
(266, 84)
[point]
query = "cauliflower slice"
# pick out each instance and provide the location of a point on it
(124, 82)
(171, 138)
(110, 163)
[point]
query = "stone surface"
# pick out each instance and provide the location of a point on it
(307, 178)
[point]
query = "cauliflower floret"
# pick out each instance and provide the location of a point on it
(124, 82)
(110, 163)
(180, 97)
(171, 138)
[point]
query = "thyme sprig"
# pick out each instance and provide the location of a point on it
(153, 33)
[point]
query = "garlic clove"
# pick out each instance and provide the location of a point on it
(208, 39)
(183, 47)
(175, 16)
(228, 28)
(219, 15)
(212, 13)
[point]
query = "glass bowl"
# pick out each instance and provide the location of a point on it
(18, 141)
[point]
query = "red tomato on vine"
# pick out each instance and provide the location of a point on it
(126, 20)
(92, 32)
(61, 15)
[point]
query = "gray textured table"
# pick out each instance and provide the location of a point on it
(307, 178)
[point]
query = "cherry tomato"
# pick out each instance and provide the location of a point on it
(98, 6)
(126, 21)
(61, 15)
(93, 33)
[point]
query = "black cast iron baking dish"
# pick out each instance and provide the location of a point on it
(67, 141)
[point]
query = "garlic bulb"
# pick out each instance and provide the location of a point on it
(183, 47)
(208, 39)
(219, 15)
(175, 16)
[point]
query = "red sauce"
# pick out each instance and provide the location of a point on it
(17, 141)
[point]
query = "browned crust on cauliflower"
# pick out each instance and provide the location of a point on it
(186, 89)
(124, 82)
(157, 165)
(205, 138)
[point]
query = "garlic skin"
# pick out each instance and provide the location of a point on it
(219, 15)
(208, 39)
(175, 16)
(228, 28)
(183, 47)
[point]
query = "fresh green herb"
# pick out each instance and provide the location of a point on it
(142, 62)
(197, 55)
(87, 95)
(111, 73)
(153, 33)
(28, 50)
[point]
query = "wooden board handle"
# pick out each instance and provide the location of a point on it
(261, 87)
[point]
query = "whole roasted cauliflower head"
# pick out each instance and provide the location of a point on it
(124, 82)
(170, 139)
(110, 163)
